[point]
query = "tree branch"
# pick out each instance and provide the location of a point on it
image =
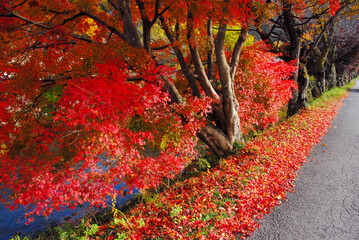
(23, 2)
(219, 47)
(161, 48)
(211, 71)
(72, 18)
(105, 24)
(83, 38)
(40, 45)
(113, 4)
(202, 76)
(237, 51)
(184, 67)
(38, 24)
(319, 37)
(159, 14)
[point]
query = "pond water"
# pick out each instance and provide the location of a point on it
(13, 222)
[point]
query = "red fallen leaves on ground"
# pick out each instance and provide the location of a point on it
(228, 200)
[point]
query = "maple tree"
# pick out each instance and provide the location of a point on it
(136, 81)
(263, 86)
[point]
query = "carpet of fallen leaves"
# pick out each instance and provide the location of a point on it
(226, 202)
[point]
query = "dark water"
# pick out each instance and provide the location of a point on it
(12, 223)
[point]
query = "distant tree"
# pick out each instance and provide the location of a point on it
(304, 33)
(346, 52)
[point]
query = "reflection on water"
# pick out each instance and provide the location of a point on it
(12, 223)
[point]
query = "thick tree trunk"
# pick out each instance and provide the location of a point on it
(299, 97)
(320, 80)
(332, 76)
(216, 140)
(220, 142)
(223, 127)
(230, 103)
(130, 29)
(219, 138)
(321, 58)
(331, 69)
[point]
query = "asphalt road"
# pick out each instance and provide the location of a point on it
(326, 202)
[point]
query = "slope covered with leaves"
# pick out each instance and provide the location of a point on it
(228, 200)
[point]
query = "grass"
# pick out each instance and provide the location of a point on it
(334, 93)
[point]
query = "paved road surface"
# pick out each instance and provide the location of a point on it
(326, 202)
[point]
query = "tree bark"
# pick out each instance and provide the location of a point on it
(299, 99)
(321, 58)
(223, 127)
(230, 103)
(300, 95)
(332, 76)
(227, 130)
(216, 140)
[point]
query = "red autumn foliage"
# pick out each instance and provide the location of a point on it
(263, 87)
(70, 93)
(227, 201)
(103, 114)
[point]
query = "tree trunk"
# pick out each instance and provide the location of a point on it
(219, 138)
(321, 58)
(320, 81)
(216, 140)
(331, 69)
(223, 127)
(332, 77)
(299, 97)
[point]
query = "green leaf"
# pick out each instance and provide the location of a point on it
(175, 211)
(92, 230)
(121, 236)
